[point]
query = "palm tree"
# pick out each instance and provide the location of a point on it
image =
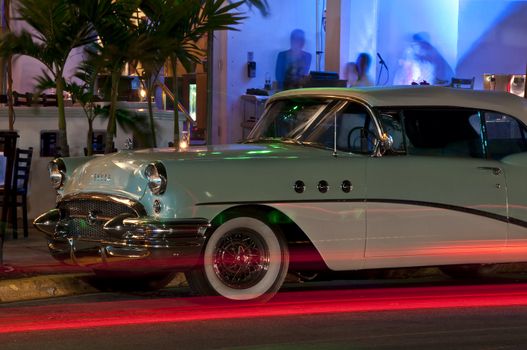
(84, 94)
(150, 62)
(187, 21)
(8, 62)
(169, 33)
(118, 44)
(56, 30)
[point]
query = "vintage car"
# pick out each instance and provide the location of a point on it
(328, 180)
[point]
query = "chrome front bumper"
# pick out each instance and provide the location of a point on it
(129, 242)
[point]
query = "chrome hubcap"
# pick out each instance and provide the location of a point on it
(241, 259)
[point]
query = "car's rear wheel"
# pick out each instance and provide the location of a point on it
(243, 259)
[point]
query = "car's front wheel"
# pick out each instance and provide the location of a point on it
(243, 259)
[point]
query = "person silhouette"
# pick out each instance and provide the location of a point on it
(292, 65)
(352, 74)
(363, 66)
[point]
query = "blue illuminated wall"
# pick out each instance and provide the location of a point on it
(492, 38)
(399, 20)
(473, 36)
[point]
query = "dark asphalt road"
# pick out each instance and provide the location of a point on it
(369, 316)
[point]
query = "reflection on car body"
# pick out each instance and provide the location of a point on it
(329, 179)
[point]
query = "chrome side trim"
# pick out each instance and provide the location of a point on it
(145, 228)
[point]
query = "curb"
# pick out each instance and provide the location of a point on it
(51, 286)
(40, 287)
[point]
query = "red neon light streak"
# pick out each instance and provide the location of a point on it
(62, 317)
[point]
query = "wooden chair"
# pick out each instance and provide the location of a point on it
(20, 182)
(462, 83)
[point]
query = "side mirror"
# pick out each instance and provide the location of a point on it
(385, 143)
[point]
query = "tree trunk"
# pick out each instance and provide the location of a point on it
(10, 102)
(151, 115)
(173, 61)
(89, 138)
(112, 124)
(63, 136)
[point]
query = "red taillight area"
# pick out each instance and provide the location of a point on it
(174, 310)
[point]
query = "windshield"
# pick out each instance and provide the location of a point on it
(285, 119)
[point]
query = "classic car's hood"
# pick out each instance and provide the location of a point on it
(230, 152)
(123, 173)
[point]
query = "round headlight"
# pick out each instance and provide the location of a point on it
(57, 173)
(156, 175)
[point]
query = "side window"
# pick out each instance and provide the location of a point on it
(505, 135)
(354, 130)
(444, 132)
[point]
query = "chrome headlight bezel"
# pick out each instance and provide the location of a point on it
(156, 174)
(57, 173)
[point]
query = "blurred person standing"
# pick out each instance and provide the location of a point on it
(292, 66)
(352, 74)
(363, 64)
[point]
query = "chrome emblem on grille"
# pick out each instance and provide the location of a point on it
(92, 217)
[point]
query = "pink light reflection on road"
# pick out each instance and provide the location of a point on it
(175, 310)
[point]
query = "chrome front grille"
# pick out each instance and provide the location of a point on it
(84, 217)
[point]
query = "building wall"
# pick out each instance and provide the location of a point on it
(362, 29)
(492, 38)
(266, 37)
(30, 121)
(399, 20)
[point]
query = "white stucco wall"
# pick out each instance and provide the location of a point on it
(29, 123)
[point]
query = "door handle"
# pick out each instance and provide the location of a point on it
(495, 170)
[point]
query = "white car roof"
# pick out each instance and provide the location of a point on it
(413, 96)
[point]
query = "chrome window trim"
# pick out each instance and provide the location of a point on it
(340, 104)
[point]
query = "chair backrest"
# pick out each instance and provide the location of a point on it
(49, 100)
(22, 169)
(462, 83)
(22, 99)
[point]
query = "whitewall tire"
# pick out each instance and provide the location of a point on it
(243, 259)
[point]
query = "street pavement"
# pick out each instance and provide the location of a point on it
(351, 315)
(47, 305)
